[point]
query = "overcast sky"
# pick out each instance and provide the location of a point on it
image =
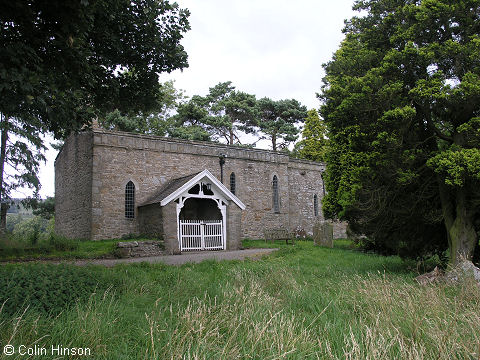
(272, 48)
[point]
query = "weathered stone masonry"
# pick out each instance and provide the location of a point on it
(73, 187)
(93, 167)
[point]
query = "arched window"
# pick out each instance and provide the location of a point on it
(276, 199)
(130, 200)
(315, 205)
(232, 183)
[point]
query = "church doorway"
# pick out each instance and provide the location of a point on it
(201, 225)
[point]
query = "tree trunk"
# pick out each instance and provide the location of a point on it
(3, 218)
(274, 142)
(458, 219)
(3, 154)
(231, 137)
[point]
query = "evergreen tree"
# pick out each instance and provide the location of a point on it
(231, 112)
(190, 122)
(224, 113)
(158, 121)
(278, 120)
(402, 105)
(313, 145)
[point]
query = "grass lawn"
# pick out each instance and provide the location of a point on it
(302, 302)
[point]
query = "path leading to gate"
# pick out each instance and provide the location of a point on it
(190, 257)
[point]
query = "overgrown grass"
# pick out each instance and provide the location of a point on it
(302, 302)
(49, 289)
(56, 247)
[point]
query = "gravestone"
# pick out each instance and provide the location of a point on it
(323, 234)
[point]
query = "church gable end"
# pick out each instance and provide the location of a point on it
(73, 187)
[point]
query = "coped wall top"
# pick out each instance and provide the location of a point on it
(109, 138)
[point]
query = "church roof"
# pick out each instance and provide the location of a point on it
(176, 187)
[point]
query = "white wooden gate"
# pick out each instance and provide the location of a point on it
(201, 235)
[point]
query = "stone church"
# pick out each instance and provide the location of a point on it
(196, 195)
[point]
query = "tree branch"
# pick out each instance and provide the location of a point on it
(438, 132)
(431, 126)
(238, 139)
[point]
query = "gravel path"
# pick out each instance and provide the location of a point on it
(193, 257)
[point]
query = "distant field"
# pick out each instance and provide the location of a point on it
(303, 302)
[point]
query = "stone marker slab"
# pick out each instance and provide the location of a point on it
(323, 234)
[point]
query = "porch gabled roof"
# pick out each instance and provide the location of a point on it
(176, 187)
(168, 189)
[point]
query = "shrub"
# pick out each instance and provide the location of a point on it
(31, 229)
(12, 220)
(34, 236)
(49, 288)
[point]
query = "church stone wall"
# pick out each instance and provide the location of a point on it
(305, 181)
(73, 184)
(150, 220)
(234, 226)
(151, 161)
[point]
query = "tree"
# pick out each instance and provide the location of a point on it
(230, 112)
(313, 145)
(191, 120)
(402, 104)
(21, 151)
(277, 120)
(44, 208)
(65, 62)
(158, 121)
(224, 113)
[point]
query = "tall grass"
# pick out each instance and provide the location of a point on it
(301, 303)
(52, 246)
